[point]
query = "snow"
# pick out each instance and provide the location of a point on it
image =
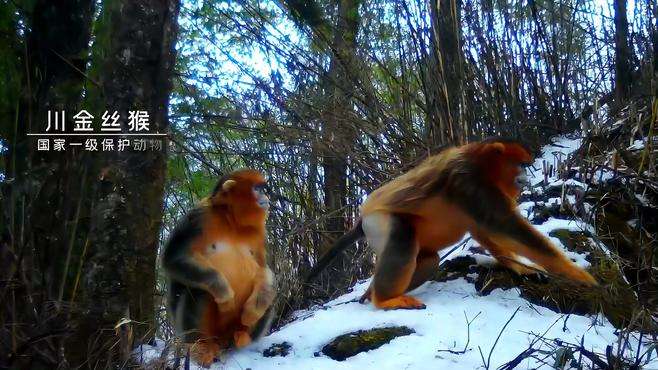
(569, 182)
(560, 149)
(637, 145)
(443, 324)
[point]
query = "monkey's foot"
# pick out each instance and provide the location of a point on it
(403, 302)
(242, 339)
(204, 352)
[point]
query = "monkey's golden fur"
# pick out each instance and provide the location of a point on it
(471, 188)
(220, 284)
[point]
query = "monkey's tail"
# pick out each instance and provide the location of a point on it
(341, 244)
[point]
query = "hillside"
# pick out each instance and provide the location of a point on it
(471, 321)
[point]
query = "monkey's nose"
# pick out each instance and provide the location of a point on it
(264, 202)
(522, 180)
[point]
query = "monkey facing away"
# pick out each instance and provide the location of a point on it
(471, 188)
(220, 287)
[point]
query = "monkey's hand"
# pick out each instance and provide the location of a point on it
(222, 293)
(260, 299)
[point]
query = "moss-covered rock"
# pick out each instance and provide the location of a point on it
(576, 241)
(350, 344)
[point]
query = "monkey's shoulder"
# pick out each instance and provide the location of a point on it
(188, 228)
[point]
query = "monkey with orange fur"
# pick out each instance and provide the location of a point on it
(471, 188)
(220, 287)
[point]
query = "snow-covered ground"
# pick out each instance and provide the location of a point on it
(443, 324)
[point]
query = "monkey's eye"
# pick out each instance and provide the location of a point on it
(260, 188)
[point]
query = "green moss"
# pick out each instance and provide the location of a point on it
(577, 241)
(350, 344)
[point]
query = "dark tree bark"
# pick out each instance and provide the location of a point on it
(39, 215)
(120, 271)
(445, 77)
(654, 42)
(339, 129)
(623, 72)
(339, 123)
(57, 54)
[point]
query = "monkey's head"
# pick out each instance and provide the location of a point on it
(503, 161)
(242, 192)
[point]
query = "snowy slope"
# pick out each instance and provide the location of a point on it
(442, 325)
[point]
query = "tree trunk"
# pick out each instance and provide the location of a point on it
(339, 131)
(654, 41)
(445, 78)
(125, 225)
(623, 75)
(40, 202)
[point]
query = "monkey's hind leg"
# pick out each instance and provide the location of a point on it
(426, 266)
(188, 306)
(396, 264)
(260, 300)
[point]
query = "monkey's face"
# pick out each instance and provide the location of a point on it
(513, 173)
(516, 176)
(244, 193)
(504, 162)
(521, 180)
(251, 203)
(260, 193)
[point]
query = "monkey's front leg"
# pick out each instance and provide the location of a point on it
(222, 292)
(218, 286)
(197, 272)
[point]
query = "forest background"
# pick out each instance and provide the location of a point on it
(329, 98)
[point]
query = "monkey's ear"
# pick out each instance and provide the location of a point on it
(228, 184)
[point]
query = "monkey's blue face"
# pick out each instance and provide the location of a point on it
(262, 200)
(521, 180)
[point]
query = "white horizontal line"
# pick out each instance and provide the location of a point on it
(96, 134)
